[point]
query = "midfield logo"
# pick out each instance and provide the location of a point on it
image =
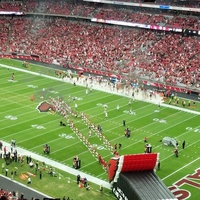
(44, 106)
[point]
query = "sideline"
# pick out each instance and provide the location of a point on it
(60, 166)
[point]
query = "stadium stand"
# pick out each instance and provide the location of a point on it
(153, 56)
(43, 38)
(4, 29)
(152, 60)
(114, 13)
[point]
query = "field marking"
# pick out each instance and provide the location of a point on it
(181, 168)
(56, 129)
(182, 149)
(151, 134)
(178, 137)
(141, 128)
(148, 137)
(123, 135)
(18, 116)
(24, 121)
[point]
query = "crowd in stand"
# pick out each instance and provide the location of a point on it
(163, 57)
(91, 10)
(4, 28)
(8, 195)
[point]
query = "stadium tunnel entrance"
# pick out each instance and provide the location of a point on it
(133, 177)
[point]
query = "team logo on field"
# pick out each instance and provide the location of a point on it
(191, 180)
(44, 106)
(113, 167)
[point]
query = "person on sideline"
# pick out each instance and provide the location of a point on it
(29, 180)
(183, 144)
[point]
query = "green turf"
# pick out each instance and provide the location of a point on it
(20, 120)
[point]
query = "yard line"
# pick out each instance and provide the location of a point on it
(123, 136)
(147, 124)
(182, 149)
(161, 160)
(17, 117)
(55, 140)
(158, 131)
(149, 137)
(180, 169)
(12, 102)
(26, 121)
(177, 137)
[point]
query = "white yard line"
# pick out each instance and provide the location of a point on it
(180, 168)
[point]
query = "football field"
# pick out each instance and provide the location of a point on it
(32, 128)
